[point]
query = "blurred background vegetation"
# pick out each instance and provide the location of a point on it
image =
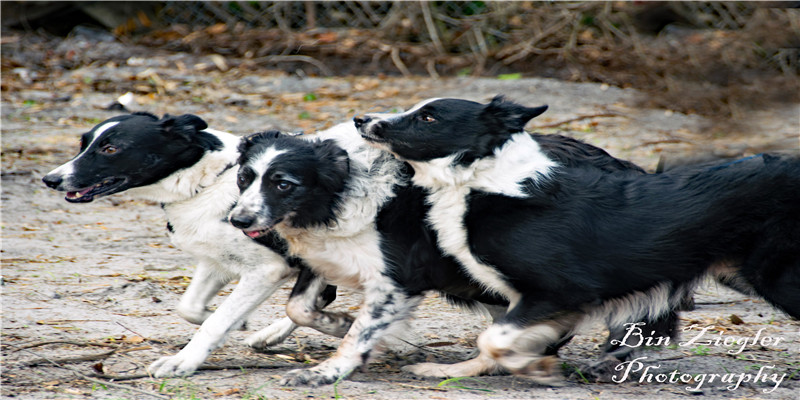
(718, 59)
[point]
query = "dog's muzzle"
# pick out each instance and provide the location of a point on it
(368, 127)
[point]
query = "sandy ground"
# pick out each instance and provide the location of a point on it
(102, 280)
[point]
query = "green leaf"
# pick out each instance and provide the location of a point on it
(509, 77)
(309, 97)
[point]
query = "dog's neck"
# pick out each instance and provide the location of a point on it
(517, 160)
(187, 183)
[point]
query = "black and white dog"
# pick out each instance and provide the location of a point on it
(191, 171)
(350, 213)
(563, 243)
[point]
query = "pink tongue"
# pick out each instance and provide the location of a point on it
(253, 234)
(75, 194)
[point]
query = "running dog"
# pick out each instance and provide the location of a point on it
(190, 169)
(350, 213)
(563, 243)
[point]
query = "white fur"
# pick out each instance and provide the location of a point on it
(347, 253)
(196, 201)
(329, 250)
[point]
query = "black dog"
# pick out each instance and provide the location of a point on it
(349, 213)
(563, 243)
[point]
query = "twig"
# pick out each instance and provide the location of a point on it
(578, 118)
(201, 368)
(90, 379)
(295, 58)
(244, 366)
(72, 342)
(68, 360)
(129, 329)
(395, 53)
(438, 389)
(418, 346)
(426, 15)
(431, 67)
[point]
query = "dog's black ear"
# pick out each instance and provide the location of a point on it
(250, 140)
(509, 116)
(184, 125)
(334, 165)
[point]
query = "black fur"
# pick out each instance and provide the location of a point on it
(567, 246)
(138, 151)
(409, 246)
(301, 179)
(468, 116)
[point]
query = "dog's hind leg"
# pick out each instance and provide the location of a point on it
(254, 287)
(521, 348)
(614, 352)
(308, 297)
(205, 284)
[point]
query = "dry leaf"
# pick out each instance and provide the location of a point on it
(134, 339)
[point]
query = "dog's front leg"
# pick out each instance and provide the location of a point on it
(205, 284)
(383, 305)
(254, 287)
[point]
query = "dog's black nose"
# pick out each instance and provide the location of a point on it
(361, 121)
(242, 221)
(52, 181)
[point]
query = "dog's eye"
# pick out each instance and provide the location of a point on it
(109, 149)
(284, 185)
(426, 118)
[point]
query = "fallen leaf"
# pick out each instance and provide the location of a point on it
(736, 320)
(134, 339)
(98, 368)
(227, 392)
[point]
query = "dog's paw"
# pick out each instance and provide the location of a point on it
(175, 366)
(544, 371)
(274, 334)
(310, 376)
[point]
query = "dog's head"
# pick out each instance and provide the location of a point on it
(130, 151)
(437, 128)
(287, 180)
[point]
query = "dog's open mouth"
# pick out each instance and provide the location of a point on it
(257, 233)
(103, 188)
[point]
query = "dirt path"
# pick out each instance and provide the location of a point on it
(86, 280)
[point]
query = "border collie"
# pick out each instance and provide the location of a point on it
(563, 243)
(190, 170)
(349, 212)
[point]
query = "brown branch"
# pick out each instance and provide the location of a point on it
(68, 360)
(201, 368)
(72, 342)
(398, 62)
(578, 118)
